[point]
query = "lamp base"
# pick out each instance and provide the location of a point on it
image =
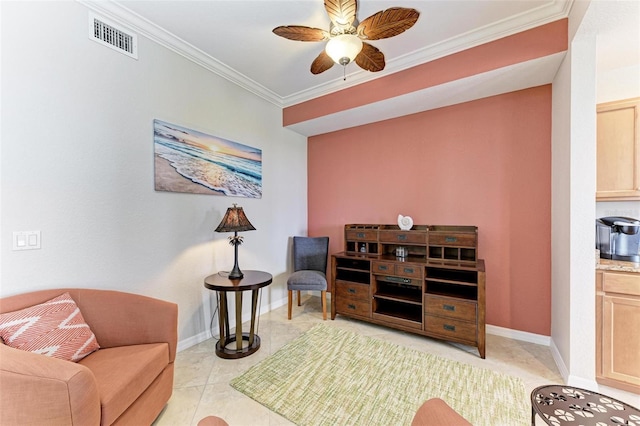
(235, 274)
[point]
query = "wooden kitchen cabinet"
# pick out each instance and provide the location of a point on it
(617, 325)
(618, 150)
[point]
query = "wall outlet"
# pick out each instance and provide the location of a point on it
(26, 240)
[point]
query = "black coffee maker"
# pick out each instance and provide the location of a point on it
(618, 238)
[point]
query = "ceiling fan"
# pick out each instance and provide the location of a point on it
(346, 35)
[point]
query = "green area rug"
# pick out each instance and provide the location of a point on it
(330, 376)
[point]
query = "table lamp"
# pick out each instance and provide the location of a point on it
(235, 221)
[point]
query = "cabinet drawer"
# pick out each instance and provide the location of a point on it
(451, 328)
(350, 306)
(412, 271)
(362, 235)
(402, 237)
(450, 307)
(350, 290)
(398, 269)
(452, 239)
(383, 268)
(621, 283)
(395, 320)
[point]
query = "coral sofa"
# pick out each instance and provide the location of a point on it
(128, 381)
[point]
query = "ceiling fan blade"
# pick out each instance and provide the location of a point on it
(322, 63)
(341, 12)
(370, 58)
(301, 33)
(387, 23)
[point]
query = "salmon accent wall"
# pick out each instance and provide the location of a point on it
(535, 43)
(485, 163)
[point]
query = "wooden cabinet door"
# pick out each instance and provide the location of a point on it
(621, 341)
(618, 150)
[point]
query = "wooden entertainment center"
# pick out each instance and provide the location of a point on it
(427, 280)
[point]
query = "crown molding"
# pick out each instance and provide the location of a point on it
(549, 12)
(140, 25)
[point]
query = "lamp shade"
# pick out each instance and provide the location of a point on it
(343, 48)
(235, 220)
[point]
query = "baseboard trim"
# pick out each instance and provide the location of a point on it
(491, 329)
(581, 382)
(524, 336)
(562, 367)
(193, 340)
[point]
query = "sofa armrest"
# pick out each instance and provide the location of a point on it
(38, 389)
(123, 319)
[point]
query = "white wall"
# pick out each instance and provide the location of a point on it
(563, 173)
(619, 83)
(561, 215)
(77, 164)
(618, 208)
(582, 217)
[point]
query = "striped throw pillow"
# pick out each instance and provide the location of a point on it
(54, 328)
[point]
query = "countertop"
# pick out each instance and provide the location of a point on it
(617, 265)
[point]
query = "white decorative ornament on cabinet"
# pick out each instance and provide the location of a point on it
(405, 222)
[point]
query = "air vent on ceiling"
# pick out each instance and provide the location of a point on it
(112, 35)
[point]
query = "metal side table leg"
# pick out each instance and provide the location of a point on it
(254, 307)
(223, 318)
(239, 320)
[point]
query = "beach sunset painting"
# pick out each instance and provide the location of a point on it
(190, 161)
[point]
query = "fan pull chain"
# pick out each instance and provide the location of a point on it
(344, 71)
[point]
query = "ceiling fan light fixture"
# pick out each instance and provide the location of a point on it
(346, 34)
(344, 48)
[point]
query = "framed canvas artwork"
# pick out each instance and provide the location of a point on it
(190, 161)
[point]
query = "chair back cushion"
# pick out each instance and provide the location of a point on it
(310, 253)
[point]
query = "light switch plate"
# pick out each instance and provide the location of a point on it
(26, 240)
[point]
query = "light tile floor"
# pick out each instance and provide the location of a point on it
(201, 383)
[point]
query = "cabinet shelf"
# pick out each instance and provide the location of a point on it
(352, 275)
(451, 289)
(353, 263)
(401, 310)
(341, 268)
(463, 254)
(398, 289)
(398, 298)
(362, 247)
(432, 280)
(468, 295)
(407, 259)
(452, 275)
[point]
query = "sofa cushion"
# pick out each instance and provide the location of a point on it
(54, 328)
(436, 412)
(123, 373)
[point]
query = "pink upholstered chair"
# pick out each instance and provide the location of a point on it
(128, 381)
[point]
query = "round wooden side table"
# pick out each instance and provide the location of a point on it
(567, 405)
(252, 281)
